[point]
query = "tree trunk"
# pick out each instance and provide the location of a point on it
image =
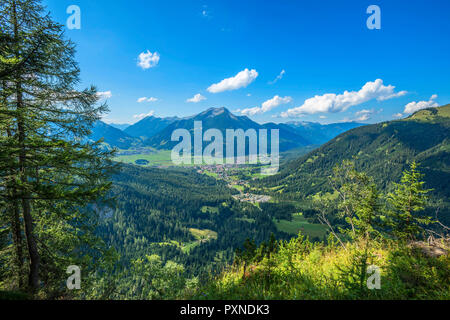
(15, 221)
(17, 240)
(33, 279)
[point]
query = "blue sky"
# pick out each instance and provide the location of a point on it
(331, 60)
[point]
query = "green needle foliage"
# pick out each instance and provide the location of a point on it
(359, 199)
(408, 201)
(51, 175)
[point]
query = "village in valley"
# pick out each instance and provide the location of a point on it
(236, 178)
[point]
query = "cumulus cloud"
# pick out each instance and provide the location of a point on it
(364, 115)
(267, 106)
(331, 102)
(279, 77)
(148, 60)
(144, 115)
(196, 99)
(241, 80)
(416, 106)
(104, 95)
(145, 99)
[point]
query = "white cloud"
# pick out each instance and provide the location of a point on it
(241, 80)
(393, 95)
(398, 115)
(364, 117)
(416, 106)
(148, 60)
(279, 77)
(267, 106)
(365, 114)
(363, 111)
(145, 99)
(144, 115)
(197, 98)
(205, 12)
(104, 95)
(331, 102)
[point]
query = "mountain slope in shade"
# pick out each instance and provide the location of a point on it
(382, 150)
(114, 137)
(318, 134)
(222, 119)
(148, 127)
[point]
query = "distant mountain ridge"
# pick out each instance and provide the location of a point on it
(112, 136)
(156, 132)
(222, 119)
(149, 126)
(120, 126)
(318, 133)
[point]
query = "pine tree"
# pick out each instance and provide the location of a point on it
(247, 255)
(408, 201)
(49, 170)
(360, 205)
(359, 200)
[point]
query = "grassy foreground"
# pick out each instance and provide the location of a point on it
(302, 270)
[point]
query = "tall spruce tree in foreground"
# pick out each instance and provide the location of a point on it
(49, 172)
(408, 201)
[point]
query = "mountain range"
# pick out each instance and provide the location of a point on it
(222, 119)
(156, 132)
(317, 133)
(149, 126)
(112, 136)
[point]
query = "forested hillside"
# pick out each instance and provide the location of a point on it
(373, 250)
(383, 151)
(180, 215)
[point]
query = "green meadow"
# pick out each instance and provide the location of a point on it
(299, 223)
(158, 158)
